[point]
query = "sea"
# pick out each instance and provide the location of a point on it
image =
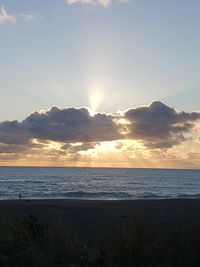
(97, 183)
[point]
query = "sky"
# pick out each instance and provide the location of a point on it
(100, 83)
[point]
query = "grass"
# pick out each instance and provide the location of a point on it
(27, 242)
(30, 243)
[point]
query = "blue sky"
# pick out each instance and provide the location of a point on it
(133, 53)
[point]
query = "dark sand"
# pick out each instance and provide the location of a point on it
(91, 219)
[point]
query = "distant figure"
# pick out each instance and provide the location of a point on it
(20, 196)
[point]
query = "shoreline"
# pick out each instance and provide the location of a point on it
(99, 200)
(164, 198)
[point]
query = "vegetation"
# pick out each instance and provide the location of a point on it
(28, 242)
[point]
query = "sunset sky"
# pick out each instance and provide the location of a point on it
(100, 83)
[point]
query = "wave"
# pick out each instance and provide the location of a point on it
(122, 195)
(85, 195)
(97, 195)
(188, 196)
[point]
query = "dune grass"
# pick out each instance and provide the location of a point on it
(142, 244)
(27, 242)
(30, 243)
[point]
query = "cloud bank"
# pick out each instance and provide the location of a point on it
(60, 125)
(72, 132)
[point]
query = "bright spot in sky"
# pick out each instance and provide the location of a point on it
(95, 98)
(106, 146)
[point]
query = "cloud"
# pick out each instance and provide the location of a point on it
(69, 148)
(27, 17)
(72, 149)
(5, 17)
(103, 3)
(14, 133)
(60, 125)
(72, 125)
(160, 126)
(18, 148)
(74, 132)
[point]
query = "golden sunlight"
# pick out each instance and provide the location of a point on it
(106, 146)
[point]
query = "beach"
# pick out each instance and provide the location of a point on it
(91, 219)
(100, 233)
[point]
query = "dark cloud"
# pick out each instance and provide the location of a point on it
(71, 125)
(159, 126)
(8, 149)
(156, 125)
(13, 132)
(18, 148)
(60, 125)
(69, 148)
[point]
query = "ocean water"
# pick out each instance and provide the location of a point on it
(97, 183)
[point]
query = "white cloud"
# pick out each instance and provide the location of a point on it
(103, 3)
(27, 17)
(5, 17)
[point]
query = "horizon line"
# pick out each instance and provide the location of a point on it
(97, 167)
